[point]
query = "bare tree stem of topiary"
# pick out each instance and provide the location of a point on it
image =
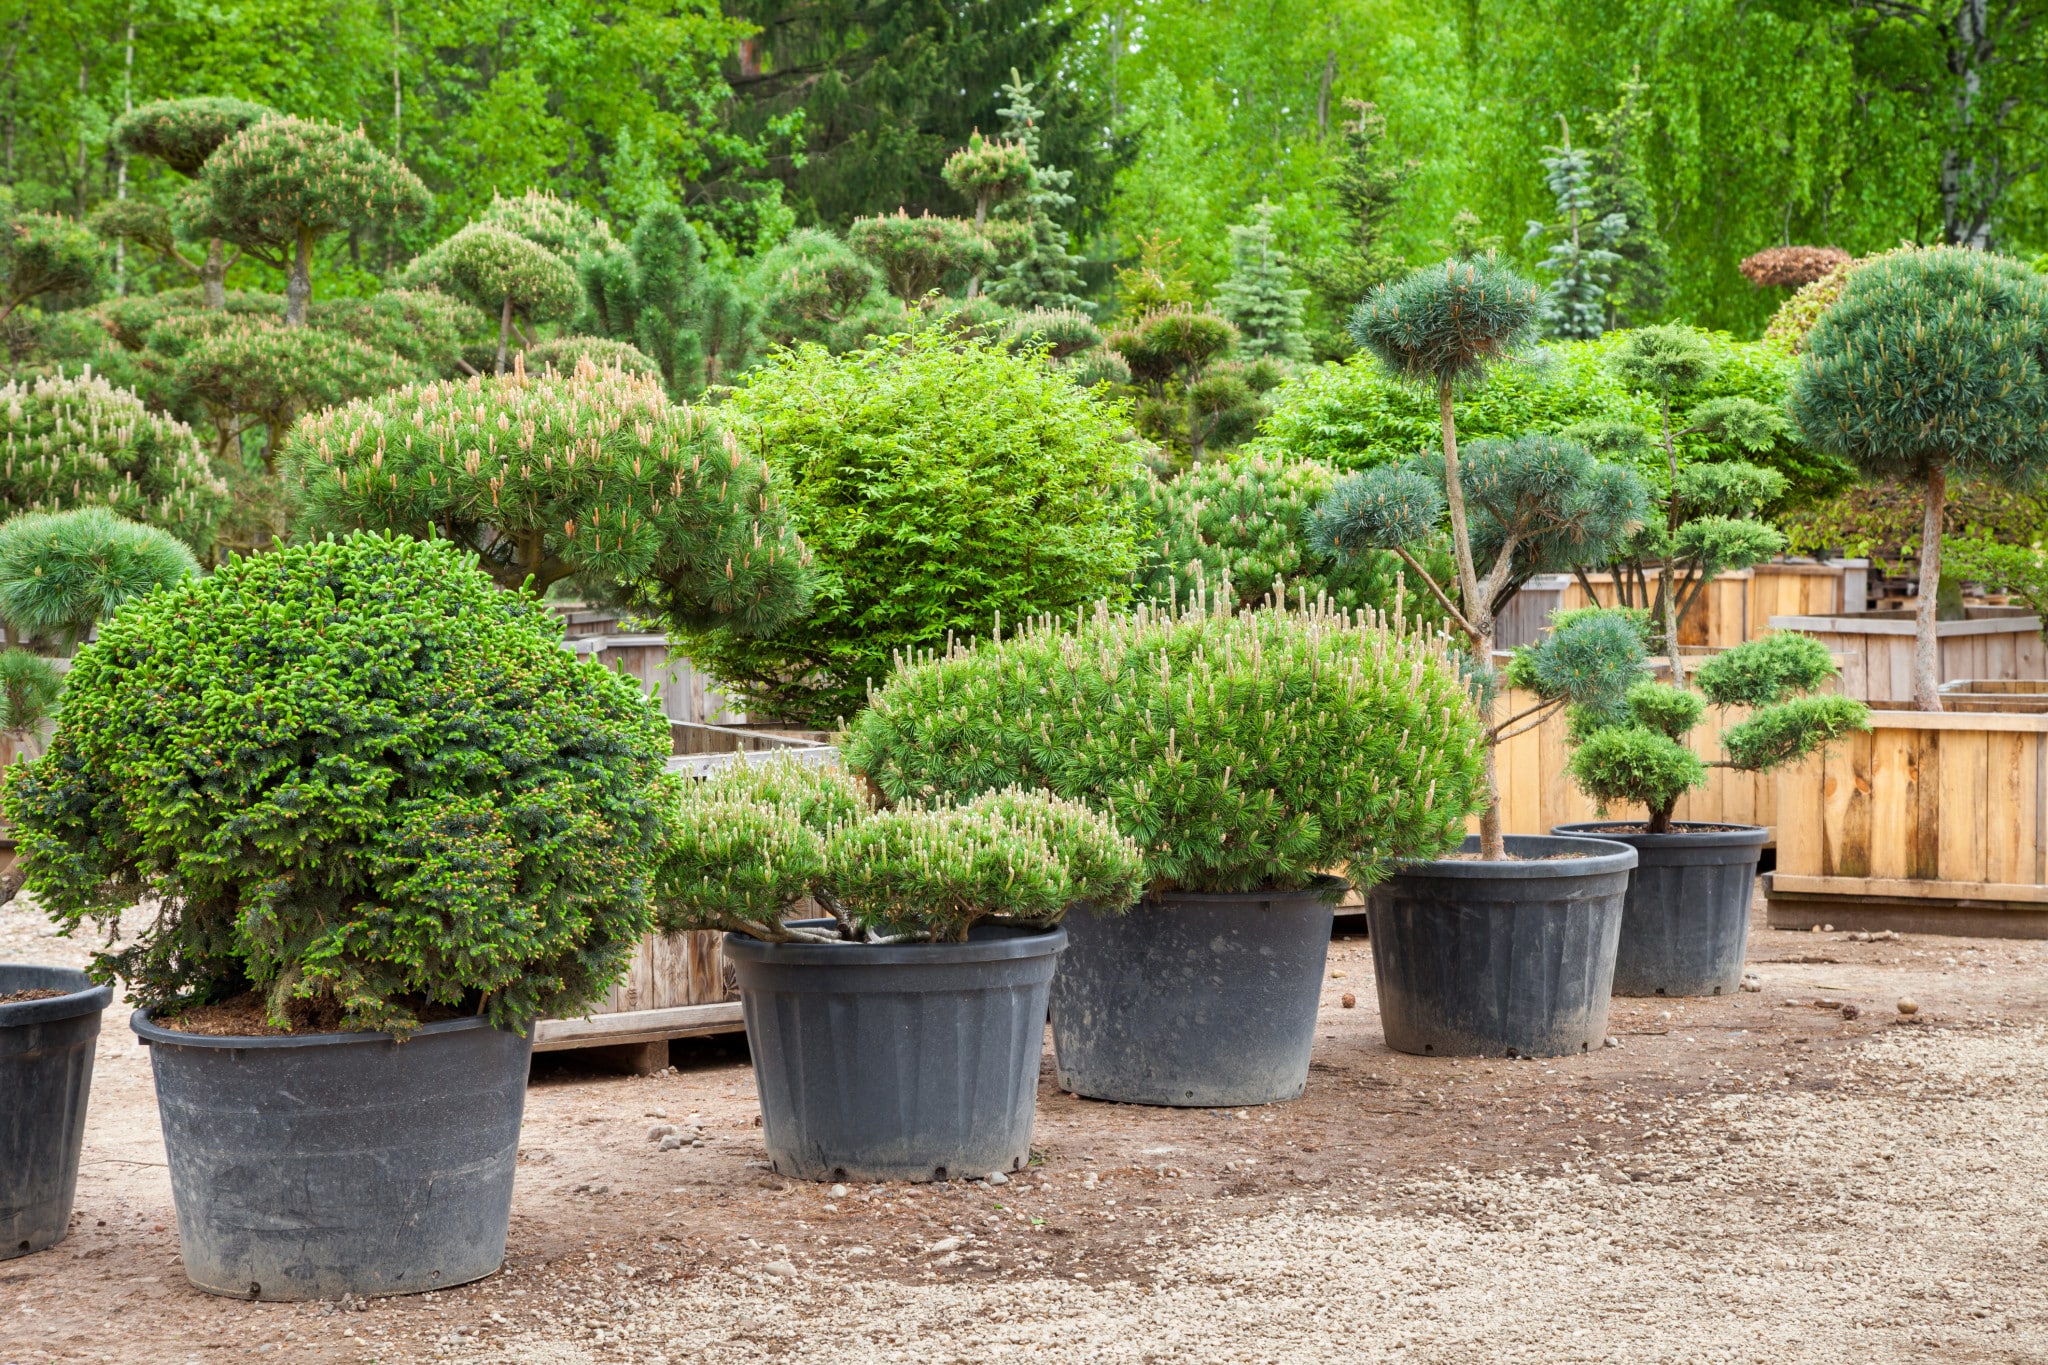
(1926, 647)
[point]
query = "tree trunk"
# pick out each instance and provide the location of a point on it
(298, 287)
(1667, 589)
(1926, 671)
(213, 276)
(504, 333)
(1478, 608)
(1659, 821)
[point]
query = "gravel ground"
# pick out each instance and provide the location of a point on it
(1742, 1180)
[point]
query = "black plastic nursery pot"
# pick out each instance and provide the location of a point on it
(1490, 959)
(46, 1051)
(1685, 923)
(309, 1167)
(1194, 999)
(907, 1061)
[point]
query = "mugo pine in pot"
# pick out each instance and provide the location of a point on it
(1256, 758)
(898, 1035)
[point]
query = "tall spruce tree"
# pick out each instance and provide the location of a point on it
(1259, 297)
(1641, 277)
(1581, 259)
(1046, 274)
(661, 294)
(1365, 186)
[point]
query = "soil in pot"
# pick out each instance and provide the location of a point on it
(1490, 959)
(913, 1061)
(1189, 999)
(49, 1027)
(309, 1166)
(1685, 922)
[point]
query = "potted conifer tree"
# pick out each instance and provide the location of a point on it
(385, 820)
(1686, 919)
(1251, 756)
(899, 1037)
(1509, 945)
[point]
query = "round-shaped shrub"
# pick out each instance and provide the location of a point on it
(81, 442)
(1241, 751)
(942, 485)
(62, 571)
(357, 777)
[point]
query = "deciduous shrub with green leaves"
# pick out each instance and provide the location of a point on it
(352, 775)
(81, 442)
(943, 485)
(743, 847)
(1241, 751)
(594, 473)
(62, 571)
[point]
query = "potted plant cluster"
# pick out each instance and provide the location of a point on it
(897, 1035)
(1686, 919)
(1247, 754)
(1508, 945)
(384, 819)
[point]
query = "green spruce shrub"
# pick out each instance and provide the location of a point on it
(943, 484)
(1241, 751)
(62, 572)
(744, 847)
(356, 777)
(1259, 297)
(594, 474)
(80, 442)
(349, 774)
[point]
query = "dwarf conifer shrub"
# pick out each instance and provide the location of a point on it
(744, 847)
(80, 442)
(62, 571)
(351, 773)
(1636, 753)
(1240, 751)
(29, 688)
(594, 474)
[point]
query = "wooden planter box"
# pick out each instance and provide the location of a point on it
(1876, 648)
(1931, 823)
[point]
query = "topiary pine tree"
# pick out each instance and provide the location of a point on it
(1522, 504)
(812, 287)
(63, 572)
(1582, 255)
(546, 219)
(1258, 297)
(1636, 753)
(1665, 361)
(80, 442)
(500, 272)
(278, 186)
(181, 134)
(919, 255)
(42, 255)
(1046, 274)
(593, 474)
(1192, 398)
(988, 172)
(1933, 362)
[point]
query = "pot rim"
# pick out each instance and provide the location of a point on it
(1612, 855)
(152, 1034)
(1007, 943)
(1323, 886)
(1681, 834)
(87, 999)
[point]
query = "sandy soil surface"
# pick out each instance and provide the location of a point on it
(1754, 1179)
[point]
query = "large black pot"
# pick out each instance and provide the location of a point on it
(313, 1166)
(46, 1050)
(1192, 999)
(910, 1061)
(1485, 959)
(1685, 924)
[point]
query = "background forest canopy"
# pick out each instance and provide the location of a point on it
(1718, 128)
